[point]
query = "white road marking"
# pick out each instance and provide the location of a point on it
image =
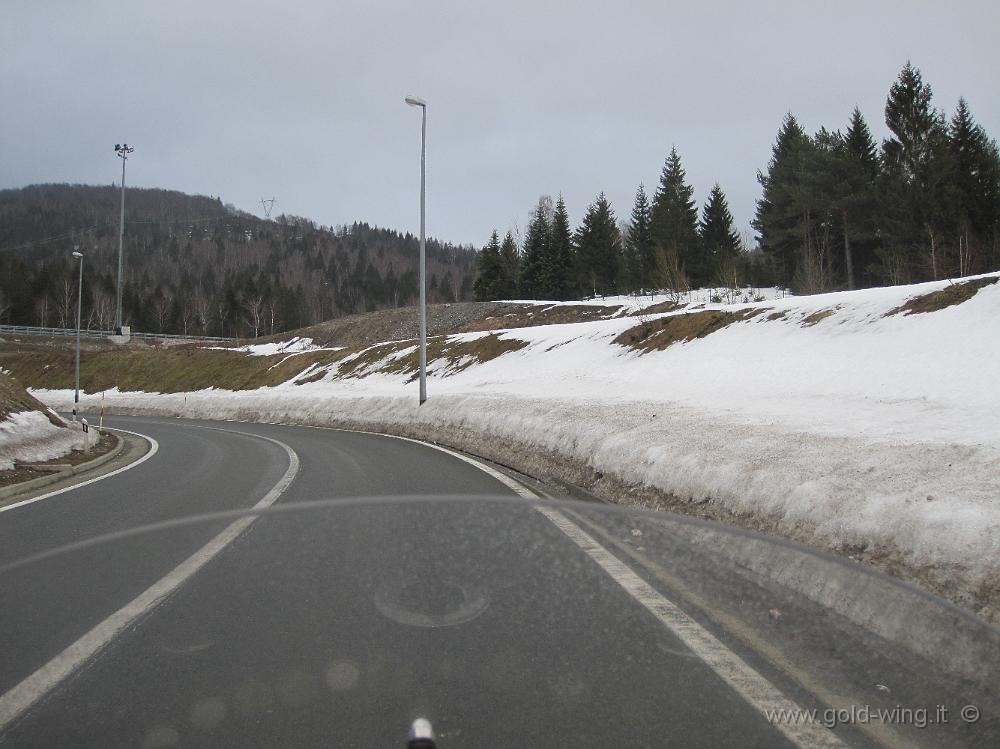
(737, 673)
(153, 447)
(21, 697)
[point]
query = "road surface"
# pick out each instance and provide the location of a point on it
(338, 625)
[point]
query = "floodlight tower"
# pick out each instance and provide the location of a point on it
(123, 150)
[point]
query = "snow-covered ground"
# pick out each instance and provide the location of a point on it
(855, 430)
(29, 437)
(292, 346)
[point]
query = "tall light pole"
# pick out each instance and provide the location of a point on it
(414, 101)
(123, 150)
(79, 304)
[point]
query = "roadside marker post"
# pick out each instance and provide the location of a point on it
(100, 422)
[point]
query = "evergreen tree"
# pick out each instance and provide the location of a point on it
(977, 184)
(598, 249)
(536, 245)
(640, 244)
(675, 222)
(918, 179)
(489, 277)
(509, 268)
(558, 259)
(718, 238)
(786, 212)
(857, 203)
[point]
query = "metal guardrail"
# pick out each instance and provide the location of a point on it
(56, 332)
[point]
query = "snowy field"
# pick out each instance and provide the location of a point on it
(851, 430)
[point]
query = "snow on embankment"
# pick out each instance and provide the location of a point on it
(28, 434)
(864, 421)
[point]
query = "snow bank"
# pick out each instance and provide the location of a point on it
(824, 418)
(29, 437)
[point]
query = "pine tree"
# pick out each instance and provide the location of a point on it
(675, 221)
(640, 242)
(718, 238)
(598, 249)
(536, 245)
(558, 259)
(489, 278)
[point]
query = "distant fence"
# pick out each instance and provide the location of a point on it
(55, 332)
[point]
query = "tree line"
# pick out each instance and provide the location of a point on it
(196, 266)
(837, 211)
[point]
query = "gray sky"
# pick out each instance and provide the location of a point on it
(304, 100)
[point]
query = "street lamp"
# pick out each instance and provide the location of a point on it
(415, 101)
(123, 150)
(79, 303)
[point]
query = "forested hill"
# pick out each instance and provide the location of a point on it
(194, 265)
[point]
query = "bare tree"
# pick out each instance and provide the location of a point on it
(201, 309)
(101, 309)
(65, 304)
(42, 311)
(161, 308)
(272, 313)
(253, 306)
(4, 304)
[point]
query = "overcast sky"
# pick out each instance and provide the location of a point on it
(303, 101)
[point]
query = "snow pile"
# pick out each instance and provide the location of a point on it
(293, 346)
(827, 418)
(30, 437)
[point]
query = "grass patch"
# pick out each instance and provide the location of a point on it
(949, 296)
(655, 309)
(664, 332)
(458, 355)
(163, 370)
(531, 315)
(819, 315)
(14, 399)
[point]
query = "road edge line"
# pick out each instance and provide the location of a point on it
(154, 446)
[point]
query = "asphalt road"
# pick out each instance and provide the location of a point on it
(338, 625)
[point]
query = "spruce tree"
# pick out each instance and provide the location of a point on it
(783, 220)
(558, 259)
(531, 284)
(977, 184)
(598, 249)
(856, 203)
(675, 221)
(640, 242)
(917, 180)
(489, 274)
(509, 268)
(718, 238)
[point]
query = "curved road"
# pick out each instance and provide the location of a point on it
(503, 624)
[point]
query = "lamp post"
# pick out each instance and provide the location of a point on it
(123, 150)
(415, 101)
(79, 304)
